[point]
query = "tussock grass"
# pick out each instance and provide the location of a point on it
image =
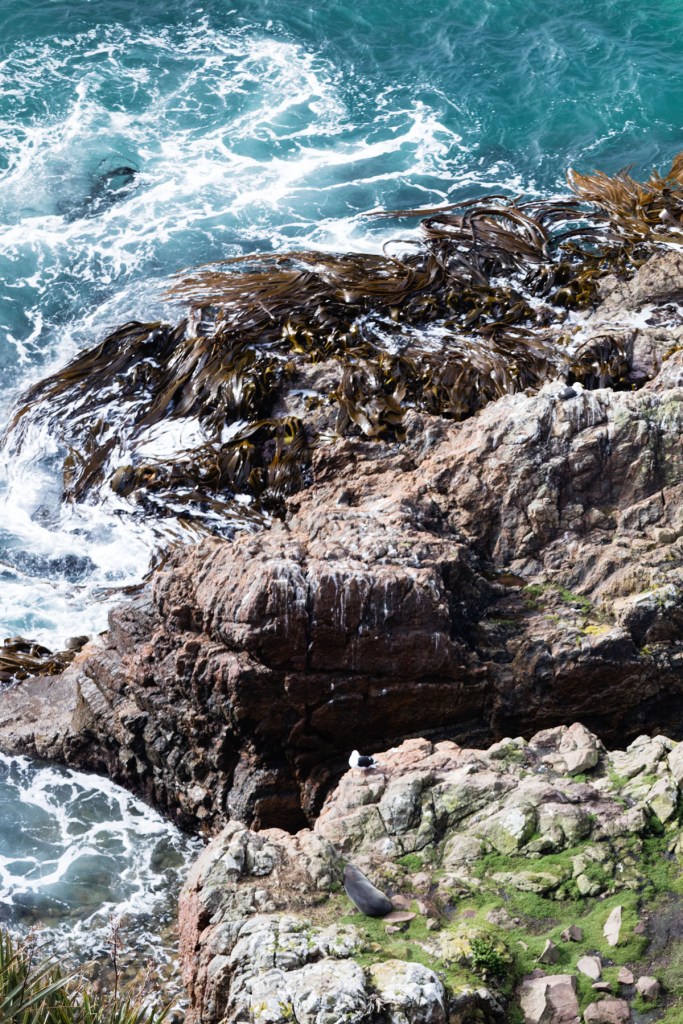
(34, 990)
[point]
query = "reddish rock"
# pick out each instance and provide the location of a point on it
(549, 999)
(649, 988)
(607, 1011)
(401, 902)
(400, 916)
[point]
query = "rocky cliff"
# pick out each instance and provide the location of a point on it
(534, 881)
(491, 577)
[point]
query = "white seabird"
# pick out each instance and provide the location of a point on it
(362, 761)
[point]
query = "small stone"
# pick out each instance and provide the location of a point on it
(500, 917)
(613, 927)
(523, 944)
(602, 986)
(400, 902)
(639, 928)
(422, 880)
(423, 908)
(431, 924)
(399, 916)
(550, 954)
(572, 934)
(590, 966)
(648, 987)
(625, 977)
(607, 1011)
(391, 929)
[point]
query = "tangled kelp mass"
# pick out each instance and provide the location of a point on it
(279, 352)
(20, 658)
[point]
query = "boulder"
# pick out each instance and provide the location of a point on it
(549, 999)
(649, 988)
(643, 755)
(572, 934)
(550, 954)
(316, 992)
(675, 761)
(579, 748)
(409, 993)
(607, 1011)
(662, 799)
(591, 966)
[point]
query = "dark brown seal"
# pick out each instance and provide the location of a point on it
(364, 895)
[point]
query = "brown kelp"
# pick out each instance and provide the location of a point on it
(651, 210)
(20, 658)
(279, 351)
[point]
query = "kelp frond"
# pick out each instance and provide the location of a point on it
(649, 210)
(20, 658)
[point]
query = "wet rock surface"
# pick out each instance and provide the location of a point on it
(492, 577)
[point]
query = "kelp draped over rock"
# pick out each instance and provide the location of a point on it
(278, 352)
(20, 658)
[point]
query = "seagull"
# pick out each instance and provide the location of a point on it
(571, 391)
(362, 761)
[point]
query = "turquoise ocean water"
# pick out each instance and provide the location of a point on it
(138, 138)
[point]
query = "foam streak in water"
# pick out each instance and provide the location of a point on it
(75, 849)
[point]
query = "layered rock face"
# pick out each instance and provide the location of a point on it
(527, 854)
(486, 578)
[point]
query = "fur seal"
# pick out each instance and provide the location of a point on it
(364, 895)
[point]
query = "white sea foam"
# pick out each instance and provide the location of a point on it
(81, 849)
